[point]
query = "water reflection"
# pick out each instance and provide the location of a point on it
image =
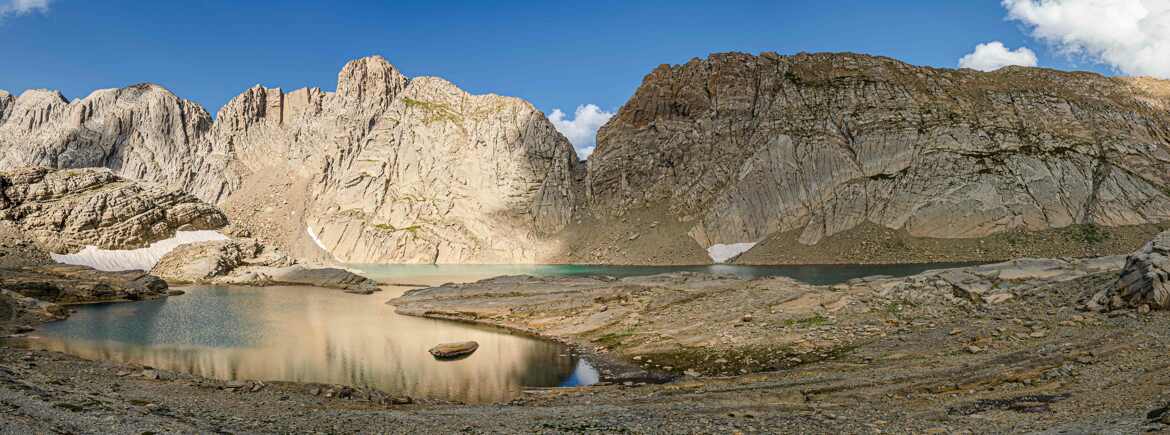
(312, 335)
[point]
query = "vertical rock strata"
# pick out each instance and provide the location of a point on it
(730, 149)
(749, 146)
(385, 169)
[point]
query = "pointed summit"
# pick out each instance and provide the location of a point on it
(369, 82)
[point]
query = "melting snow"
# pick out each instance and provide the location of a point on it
(113, 260)
(721, 253)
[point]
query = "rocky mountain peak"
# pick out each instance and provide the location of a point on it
(369, 82)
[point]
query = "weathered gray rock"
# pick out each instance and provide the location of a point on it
(386, 169)
(142, 132)
(200, 262)
(1145, 280)
(64, 210)
(746, 147)
(73, 284)
(248, 262)
(731, 149)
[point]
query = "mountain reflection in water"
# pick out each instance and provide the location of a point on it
(312, 335)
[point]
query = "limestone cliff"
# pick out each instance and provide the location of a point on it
(141, 132)
(745, 147)
(64, 210)
(388, 169)
(385, 169)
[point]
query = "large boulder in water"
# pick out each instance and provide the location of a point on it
(1144, 281)
(454, 350)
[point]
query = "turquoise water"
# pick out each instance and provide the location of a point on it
(426, 274)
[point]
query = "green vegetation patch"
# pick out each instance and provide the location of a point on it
(816, 320)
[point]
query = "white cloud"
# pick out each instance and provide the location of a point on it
(21, 7)
(994, 55)
(582, 129)
(1132, 36)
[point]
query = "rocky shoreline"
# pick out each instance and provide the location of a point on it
(943, 351)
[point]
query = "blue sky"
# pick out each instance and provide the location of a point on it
(555, 54)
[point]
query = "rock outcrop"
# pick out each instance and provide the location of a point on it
(65, 284)
(735, 149)
(385, 169)
(141, 132)
(749, 147)
(1145, 281)
(247, 262)
(65, 210)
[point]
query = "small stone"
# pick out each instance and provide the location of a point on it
(973, 349)
(746, 318)
(315, 391)
(1143, 309)
(175, 292)
(454, 350)
(1037, 334)
(404, 400)
(998, 298)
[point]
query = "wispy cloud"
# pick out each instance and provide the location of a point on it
(994, 55)
(22, 7)
(1132, 36)
(582, 129)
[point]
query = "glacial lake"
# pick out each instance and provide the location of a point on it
(305, 334)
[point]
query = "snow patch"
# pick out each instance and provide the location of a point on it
(720, 253)
(313, 235)
(114, 260)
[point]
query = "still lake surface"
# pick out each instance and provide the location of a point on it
(306, 334)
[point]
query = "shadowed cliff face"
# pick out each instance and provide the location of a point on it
(746, 146)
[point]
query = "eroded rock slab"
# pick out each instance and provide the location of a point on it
(1145, 280)
(65, 210)
(244, 261)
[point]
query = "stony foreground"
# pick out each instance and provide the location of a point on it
(940, 352)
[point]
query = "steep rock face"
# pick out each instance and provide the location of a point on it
(391, 170)
(749, 146)
(141, 132)
(64, 210)
(385, 169)
(447, 177)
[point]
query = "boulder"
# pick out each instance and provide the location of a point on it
(247, 262)
(1145, 280)
(454, 350)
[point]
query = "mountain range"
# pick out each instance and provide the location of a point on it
(828, 157)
